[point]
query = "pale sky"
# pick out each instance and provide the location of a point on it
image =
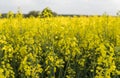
(91, 7)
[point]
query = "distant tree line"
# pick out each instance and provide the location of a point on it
(47, 12)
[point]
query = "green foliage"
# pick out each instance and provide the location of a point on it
(33, 13)
(47, 12)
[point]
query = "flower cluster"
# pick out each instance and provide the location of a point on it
(60, 47)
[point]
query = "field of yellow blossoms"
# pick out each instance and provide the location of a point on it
(60, 47)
